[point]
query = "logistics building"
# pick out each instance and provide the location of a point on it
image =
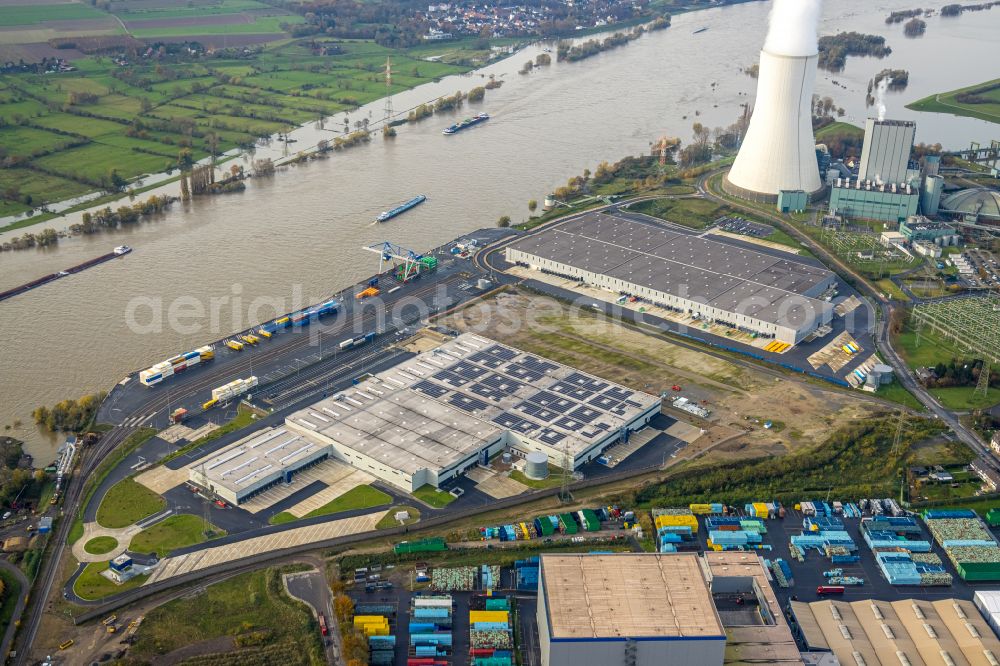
(773, 294)
(907, 631)
(253, 464)
(434, 416)
(649, 609)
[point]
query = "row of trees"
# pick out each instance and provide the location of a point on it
(958, 372)
(106, 218)
(69, 415)
(43, 238)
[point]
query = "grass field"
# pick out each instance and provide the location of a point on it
(946, 103)
(91, 585)
(434, 497)
(127, 502)
(389, 519)
(30, 14)
(963, 397)
(694, 213)
(362, 497)
(100, 545)
(898, 393)
(553, 480)
(177, 531)
(837, 128)
(230, 97)
(252, 605)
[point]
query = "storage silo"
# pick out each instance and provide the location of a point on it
(536, 466)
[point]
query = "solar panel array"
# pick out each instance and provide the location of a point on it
(434, 410)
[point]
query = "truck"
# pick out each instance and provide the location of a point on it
(823, 590)
(178, 415)
(322, 625)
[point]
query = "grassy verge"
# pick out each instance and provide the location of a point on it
(244, 417)
(964, 397)
(388, 520)
(126, 503)
(928, 352)
(100, 545)
(898, 393)
(134, 441)
(362, 497)
(12, 590)
(553, 480)
(177, 531)
(892, 290)
(436, 498)
(252, 608)
(91, 585)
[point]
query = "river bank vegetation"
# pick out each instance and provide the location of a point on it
(69, 415)
(591, 47)
(835, 49)
(979, 101)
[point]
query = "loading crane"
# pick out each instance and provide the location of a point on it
(406, 264)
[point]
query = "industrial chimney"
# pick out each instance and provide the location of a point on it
(779, 150)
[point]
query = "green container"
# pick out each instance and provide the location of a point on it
(993, 517)
(497, 604)
(433, 545)
(569, 525)
(979, 571)
(593, 523)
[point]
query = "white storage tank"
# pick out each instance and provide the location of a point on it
(506, 458)
(536, 466)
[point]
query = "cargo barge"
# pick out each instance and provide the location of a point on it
(400, 209)
(117, 252)
(468, 122)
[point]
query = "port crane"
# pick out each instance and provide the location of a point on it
(397, 256)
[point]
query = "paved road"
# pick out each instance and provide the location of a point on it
(22, 599)
(885, 307)
(311, 587)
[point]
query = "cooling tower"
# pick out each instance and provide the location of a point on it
(779, 150)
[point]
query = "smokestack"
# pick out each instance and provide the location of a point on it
(778, 152)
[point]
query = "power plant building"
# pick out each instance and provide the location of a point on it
(255, 463)
(444, 411)
(872, 201)
(769, 294)
(778, 152)
(885, 154)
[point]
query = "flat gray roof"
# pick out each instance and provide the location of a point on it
(438, 408)
(248, 460)
(709, 271)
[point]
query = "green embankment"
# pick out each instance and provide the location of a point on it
(362, 497)
(434, 497)
(127, 502)
(177, 531)
(988, 108)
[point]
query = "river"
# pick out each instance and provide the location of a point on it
(301, 232)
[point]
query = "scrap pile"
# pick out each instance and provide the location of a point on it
(763, 510)
(713, 508)
(490, 635)
(430, 630)
(458, 579)
(782, 572)
(825, 534)
(967, 542)
(490, 576)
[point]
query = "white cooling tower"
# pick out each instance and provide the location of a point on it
(779, 150)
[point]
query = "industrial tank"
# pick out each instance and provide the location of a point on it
(536, 466)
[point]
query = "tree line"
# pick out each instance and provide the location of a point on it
(69, 415)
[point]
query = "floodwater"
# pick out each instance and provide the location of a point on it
(239, 258)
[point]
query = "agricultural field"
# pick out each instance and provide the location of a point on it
(65, 134)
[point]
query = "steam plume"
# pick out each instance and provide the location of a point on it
(792, 27)
(883, 86)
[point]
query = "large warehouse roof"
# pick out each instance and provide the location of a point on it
(715, 272)
(434, 410)
(923, 632)
(628, 596)
(248, 460)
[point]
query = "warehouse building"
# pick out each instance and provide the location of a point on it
(640, 609)
(771, 295)
(444, 411)
(649, 609)
(254, 463)
(907, 631)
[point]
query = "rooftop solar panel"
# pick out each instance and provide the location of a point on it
(487, 360)
(501, 352)
(572, 391)
(583, 381)
(467, 403)
(451, 378)
(603, 402)
(551, 437)
(513, 422)
(585, 414)
(618, 393)
(430, 388)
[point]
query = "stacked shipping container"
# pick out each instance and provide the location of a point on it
(172, 366)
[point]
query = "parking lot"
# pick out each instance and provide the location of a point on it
(738, 225)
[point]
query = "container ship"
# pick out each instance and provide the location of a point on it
(468, 122)
(400, 209)
(117, 252)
